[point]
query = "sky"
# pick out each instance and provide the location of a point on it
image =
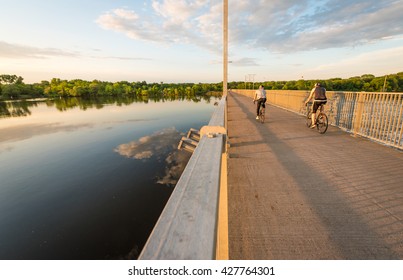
(181, 40)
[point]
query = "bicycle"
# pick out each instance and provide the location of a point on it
(321, 118)
(262, 111)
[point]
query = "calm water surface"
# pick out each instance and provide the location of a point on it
(88, 180)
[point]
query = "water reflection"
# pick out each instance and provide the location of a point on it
(175, 164)
(157, 144)
(15, 109)
(26, 131)
(20, 108)
(86, 179)
(161, 145)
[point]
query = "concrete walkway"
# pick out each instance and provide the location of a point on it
(296, 194)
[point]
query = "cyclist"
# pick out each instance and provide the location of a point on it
(260, 97)
(318, 93)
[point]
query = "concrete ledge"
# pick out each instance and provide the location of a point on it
(188, 226)
(218, 118)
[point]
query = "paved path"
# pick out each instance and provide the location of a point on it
(297, 194)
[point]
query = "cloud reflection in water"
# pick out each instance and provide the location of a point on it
(162, 145)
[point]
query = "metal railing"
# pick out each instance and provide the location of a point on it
(374, 115)
(193, 223)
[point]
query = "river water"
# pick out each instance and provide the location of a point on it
(88, 179)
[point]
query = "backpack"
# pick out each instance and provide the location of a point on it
(320, 93)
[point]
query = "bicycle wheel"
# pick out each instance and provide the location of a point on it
(309, 119)
(322, 123)
(262, 114)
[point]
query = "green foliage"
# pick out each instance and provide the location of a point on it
(10, 79)
(366, 82)
(13, 87)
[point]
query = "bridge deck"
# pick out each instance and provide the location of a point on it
(296, 194)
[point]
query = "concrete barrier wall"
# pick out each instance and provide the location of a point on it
(193, 223)
(378, 116)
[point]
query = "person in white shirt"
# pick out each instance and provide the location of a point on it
(260, 97)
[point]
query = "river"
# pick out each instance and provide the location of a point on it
(87, 179)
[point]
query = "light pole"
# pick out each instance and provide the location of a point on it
(253, 79)
(225, 47)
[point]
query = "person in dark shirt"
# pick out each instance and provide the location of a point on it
(318, 93)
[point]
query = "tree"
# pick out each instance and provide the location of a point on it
(367, 77)
(290, 85)
(301, 85)
(10, 79)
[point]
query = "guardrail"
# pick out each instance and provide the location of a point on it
(193, 223)
(374, 115)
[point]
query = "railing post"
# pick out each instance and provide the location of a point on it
(358, 113)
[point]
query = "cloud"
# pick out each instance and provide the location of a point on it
(17, 51)
(246, 61)
(172, 22)
(122, 58)
(377, 61)
(275, 25)
(8, 50)
(290, 26)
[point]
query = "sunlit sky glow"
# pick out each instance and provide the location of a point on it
(181, 40)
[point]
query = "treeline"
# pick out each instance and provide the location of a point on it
(367, 82)
(13, 87)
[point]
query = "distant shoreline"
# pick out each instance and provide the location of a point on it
(12, 87)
